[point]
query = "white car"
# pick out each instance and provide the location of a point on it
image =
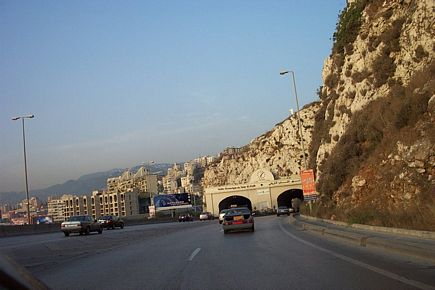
(206, 216)
(82, 224)
(221, 215)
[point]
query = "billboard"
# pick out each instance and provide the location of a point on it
(308, 184)
(43, 220)
(172, 201)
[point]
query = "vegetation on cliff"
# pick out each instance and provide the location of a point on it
(373, 134)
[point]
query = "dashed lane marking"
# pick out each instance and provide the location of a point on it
(192, 256)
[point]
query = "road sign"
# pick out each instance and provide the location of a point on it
(308, 183)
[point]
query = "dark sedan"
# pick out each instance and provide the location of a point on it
(185, 218)
(111, 221)
(239, 218)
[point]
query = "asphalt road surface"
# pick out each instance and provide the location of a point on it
(198, 255)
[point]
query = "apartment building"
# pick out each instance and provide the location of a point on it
(121, 197)
(73, 205)
(114, 203)
(56, 209)
(142, 180)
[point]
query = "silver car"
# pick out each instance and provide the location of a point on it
(239, 218)
(282, 210)
(82, 224)
(221, 215)
(206, 216)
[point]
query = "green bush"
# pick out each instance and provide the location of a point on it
(348, 27)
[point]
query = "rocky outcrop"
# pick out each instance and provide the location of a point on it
(371, 135)
(373, 139)
(395, 40)
(279, 151)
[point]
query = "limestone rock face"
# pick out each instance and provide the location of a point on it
(388, 70)
(371, 137)
(278, 151)
(396, 39)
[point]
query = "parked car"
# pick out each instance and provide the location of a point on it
(111, 221)
(82, 224)
(282, 210)
(239, 218)
(185, 218)
(206, 216)
(221, 215)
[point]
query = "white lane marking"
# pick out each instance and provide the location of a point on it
(194, 254)
(380, 271)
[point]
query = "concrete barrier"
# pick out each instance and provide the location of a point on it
(399, 231)
(411, 243)
(16, 230)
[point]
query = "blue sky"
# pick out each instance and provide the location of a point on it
(116, 83)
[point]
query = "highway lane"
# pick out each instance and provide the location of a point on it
(199, 256)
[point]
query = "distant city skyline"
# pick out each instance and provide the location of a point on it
(114, 84)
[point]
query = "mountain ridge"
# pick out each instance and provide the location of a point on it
(84, 185)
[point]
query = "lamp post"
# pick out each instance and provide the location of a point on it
(297, 114)
(25, 163)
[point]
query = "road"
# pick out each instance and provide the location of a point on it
(199, 256)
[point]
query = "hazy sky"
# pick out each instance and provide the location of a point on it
(116, 83)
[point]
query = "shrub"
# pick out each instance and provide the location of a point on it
(361, 138)
(383, 68)
(420, 53)
(387, 14)
(391, 36)
(404, 106)
(373, 43)
(358, 77)
(348, 26)
(320, 133)
(331, 80)
(351, 95)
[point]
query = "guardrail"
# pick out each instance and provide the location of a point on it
(18, 230)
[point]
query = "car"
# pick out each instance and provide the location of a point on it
(282, 210)
(206, 216)
(221, 215)
(111, 221)
(185, 218)
(82, 224)
(239, 218)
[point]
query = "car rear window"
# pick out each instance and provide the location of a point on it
(241, 211)
(77, 218)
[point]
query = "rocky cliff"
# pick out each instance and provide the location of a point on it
(278, 150)
(373, 142)
(371, 136)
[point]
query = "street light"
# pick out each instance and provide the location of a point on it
(297, 113)
(25, 162)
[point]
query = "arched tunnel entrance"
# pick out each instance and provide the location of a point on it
(235, 201)
(285, 198)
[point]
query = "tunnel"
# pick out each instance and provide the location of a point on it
(235, 201)
(285, 198)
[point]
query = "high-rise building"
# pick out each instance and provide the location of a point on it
(56, 209)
